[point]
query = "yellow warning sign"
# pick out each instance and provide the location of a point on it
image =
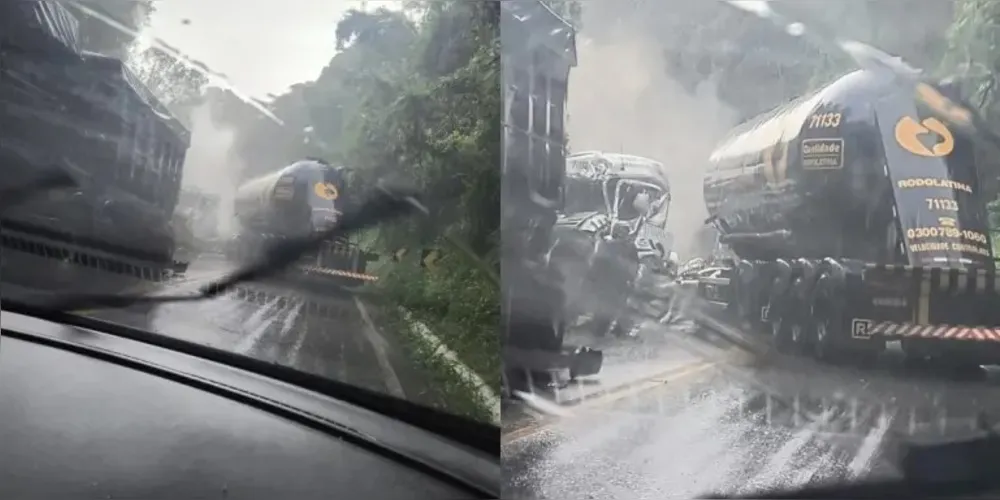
(326, 190)
(909, 132)
(429, 258)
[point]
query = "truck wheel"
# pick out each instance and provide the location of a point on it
(831, 344)
(802, 323)
(747, 302)
(739, 308)
(781, 328)
(921, 355)
(824, 344)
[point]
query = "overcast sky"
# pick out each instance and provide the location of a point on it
(262, 46)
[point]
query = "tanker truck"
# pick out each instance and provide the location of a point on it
(89, 116)
(296, 202)
(856, 216)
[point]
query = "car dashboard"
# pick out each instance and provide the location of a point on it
(87, 414)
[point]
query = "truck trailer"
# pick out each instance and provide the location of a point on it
(87, 115)
(856, 216)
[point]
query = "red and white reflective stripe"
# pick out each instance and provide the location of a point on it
(338, 272)
(980, 333)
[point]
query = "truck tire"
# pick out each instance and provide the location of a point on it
(923, 355)
(537, 314)
(611, 280)
(778, 307)
(800, 317)
(831, 341)
(747, 300)
(828, 321)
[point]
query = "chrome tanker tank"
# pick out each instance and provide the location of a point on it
(297, 201)
(859, 169)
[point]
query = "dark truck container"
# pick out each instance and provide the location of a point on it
(88, 115)
(857, 217)
(538, 50)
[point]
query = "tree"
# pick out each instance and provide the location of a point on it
(179, 85)
(973, 55)
(435, 120)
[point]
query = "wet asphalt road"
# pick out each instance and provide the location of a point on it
(739, 427)
(348, 347)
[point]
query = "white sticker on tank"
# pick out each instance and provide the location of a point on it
(860, 328)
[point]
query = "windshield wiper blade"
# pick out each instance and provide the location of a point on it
(385, 204)
(12, 197)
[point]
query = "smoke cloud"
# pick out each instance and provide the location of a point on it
(623, 100)
(210, 167)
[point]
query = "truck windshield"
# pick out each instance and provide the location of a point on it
(583, 195)
(630, 191)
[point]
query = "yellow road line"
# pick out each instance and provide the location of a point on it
(611, 396)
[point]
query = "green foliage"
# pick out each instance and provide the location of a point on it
(433, 119)
(180, 87)
(973, 53)
(428, 113)
(993, 212)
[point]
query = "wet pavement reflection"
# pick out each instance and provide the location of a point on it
(348, 346)
(739, 428)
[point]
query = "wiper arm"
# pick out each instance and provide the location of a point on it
(385, 204)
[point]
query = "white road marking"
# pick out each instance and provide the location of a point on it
(486, 394)
(379, 345)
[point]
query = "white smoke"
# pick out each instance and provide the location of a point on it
(623, 100)
(211, 167)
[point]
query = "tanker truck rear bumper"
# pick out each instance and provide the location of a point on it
(940, 313)
(936, 313)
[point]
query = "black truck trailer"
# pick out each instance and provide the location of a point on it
(857, 216)
(88, 116)
(539, 49)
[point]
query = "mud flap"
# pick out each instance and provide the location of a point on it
(585, 362)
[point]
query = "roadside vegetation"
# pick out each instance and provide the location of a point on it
(413, 97)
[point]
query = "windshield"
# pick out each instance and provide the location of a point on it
(637, 199)
(201, 136)
(833, 207)
(584, 195)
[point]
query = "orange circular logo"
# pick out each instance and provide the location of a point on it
(326, 190)
(909, 132)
